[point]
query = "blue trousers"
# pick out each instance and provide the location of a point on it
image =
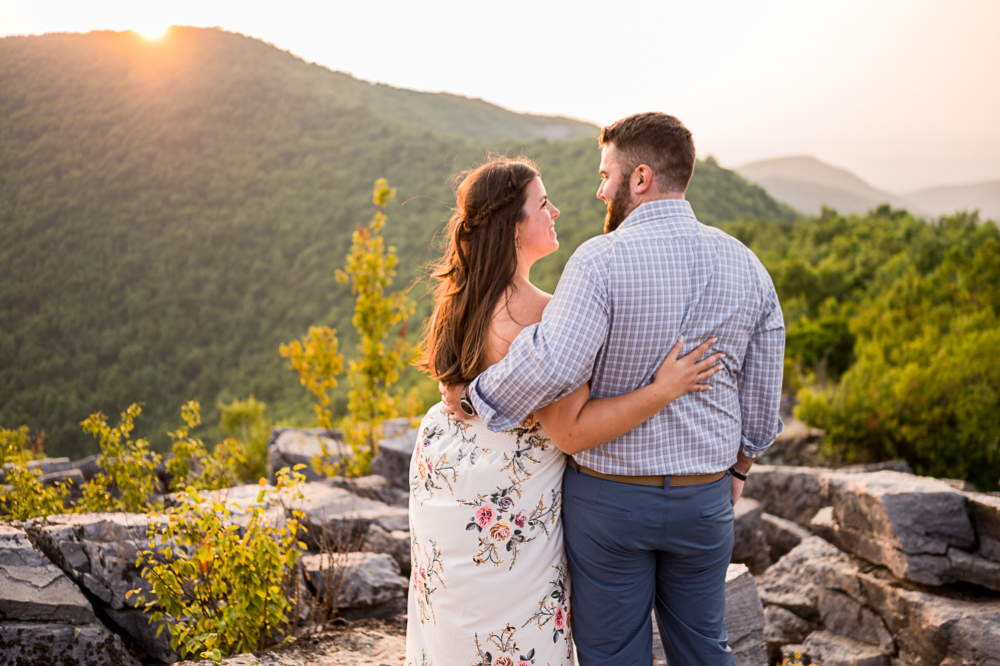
(630, 547)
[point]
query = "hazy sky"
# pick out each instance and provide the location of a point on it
(905, 93)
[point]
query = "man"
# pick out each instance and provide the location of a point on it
(648, 517)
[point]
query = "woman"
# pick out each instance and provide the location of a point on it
(489, 583)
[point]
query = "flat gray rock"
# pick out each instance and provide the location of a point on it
(288, 447)
(792, 493)
(830, 649)
(781, 535)
(985, 513)
(395, 544)
(34, 589)
(749, 542)
(744, 617)
(343, 516)
(920, 528)
(364, 582)
(136, 624)
(31, 643)
(394, 453)
(97, 550)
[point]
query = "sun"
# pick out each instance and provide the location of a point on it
(152, 32)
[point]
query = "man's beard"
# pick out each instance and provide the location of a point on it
(619, 208)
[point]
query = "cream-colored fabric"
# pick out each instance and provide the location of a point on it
(489, 568)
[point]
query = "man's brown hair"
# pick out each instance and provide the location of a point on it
(658, 141)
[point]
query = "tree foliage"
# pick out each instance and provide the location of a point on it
(370, 269)
(892, 329)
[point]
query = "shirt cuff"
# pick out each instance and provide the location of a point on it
(752, 450)
(483, 410)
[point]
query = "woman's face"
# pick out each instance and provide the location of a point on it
(537, 231)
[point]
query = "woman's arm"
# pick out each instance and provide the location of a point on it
(576, 423)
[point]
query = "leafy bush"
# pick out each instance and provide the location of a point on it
(129, 477)
(926, 384)
(244, 421)
(192, 465)
(24, 496)
(224, 576)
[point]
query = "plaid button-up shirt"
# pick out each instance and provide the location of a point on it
(623, 300)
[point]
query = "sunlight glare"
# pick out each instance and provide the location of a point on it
(152, 32)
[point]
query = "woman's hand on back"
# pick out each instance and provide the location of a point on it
(677, 376)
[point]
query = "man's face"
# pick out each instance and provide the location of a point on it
(614, 189)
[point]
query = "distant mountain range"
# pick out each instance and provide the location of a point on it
(807, 184)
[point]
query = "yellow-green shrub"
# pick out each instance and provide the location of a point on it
(244, 420)
(191, 465)
(129, 467)
(224, 578)
(24, 495)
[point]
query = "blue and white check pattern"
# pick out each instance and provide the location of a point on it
(622, 302)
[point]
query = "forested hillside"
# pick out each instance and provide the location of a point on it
(171, 211)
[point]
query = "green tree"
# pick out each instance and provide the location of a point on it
(926, 384)
(370, 268)
(317, 362)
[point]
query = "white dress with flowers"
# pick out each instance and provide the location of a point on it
(489, 584)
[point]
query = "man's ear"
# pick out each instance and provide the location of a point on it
(641, 180)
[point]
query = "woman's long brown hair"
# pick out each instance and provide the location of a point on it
(477, 268)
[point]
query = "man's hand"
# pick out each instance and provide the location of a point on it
(450, 395)
(743, 465)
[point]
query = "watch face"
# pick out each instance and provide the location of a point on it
(467, 407)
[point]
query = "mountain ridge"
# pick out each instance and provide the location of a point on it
(171, 212)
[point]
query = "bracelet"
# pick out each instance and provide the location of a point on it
(739, 475)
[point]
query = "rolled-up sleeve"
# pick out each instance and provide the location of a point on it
(760, 377)
(550, 359)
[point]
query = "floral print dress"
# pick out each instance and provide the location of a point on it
(489, 584)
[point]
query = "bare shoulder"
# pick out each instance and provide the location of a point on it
(523, 308)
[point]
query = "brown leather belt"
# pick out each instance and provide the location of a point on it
(676, 480)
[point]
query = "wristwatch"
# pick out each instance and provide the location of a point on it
(465, 403)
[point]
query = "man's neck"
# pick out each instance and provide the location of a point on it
(657, 196)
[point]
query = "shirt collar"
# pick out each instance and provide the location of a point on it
(658, 209)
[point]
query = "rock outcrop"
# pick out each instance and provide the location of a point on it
(288, 447)
(818, 587)
(394, 452)
(364, 585)
(44, 617)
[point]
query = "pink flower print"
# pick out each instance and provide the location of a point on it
(520, 519)
(430, 466)
(485, 516)
(503, 660)
(420, 448)
(559, 619)
(524, 663)
(505, 503)
(422, 470)
(423, 573)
